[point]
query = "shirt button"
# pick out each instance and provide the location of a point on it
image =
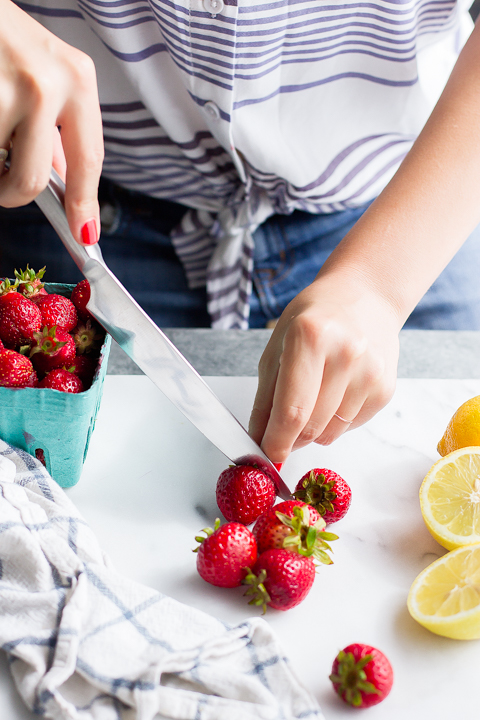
(212, 110)
(213, 6)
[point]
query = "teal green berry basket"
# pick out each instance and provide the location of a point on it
(52, 424)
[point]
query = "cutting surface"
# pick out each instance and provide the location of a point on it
(148, 487)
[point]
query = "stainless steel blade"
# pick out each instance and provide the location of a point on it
(151, 350)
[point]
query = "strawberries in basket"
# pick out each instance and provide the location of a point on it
(47, 340)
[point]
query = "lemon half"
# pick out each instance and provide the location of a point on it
(450, 498)
(445, 597)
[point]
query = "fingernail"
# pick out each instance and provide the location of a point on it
(89, 232)
(278, 466)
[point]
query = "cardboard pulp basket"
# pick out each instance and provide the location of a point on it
(58, 423)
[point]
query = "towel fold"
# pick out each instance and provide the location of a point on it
(86, 643)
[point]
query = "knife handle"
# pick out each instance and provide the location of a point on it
(51, 203)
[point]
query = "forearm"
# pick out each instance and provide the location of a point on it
(413, 229)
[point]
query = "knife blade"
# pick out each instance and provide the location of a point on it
(144, 342)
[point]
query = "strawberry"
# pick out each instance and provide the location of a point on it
(295, 526)
(244, 492)
(29, 282)
(52, 348)
(16, 370)
(225, 554)
(84, 366)
(63, 380)
(32, 380)
(40, 455)
(20, 318)
(80, 297)
(326, 491)
(88, 337)
(57, 310)
(6, 286)
(361, 675)
(280, 579)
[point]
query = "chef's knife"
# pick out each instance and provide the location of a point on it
(151, 350)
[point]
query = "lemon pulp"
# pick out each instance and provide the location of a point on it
(450, 498)
(445, 597)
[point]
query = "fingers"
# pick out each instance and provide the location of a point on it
(46, 84)
(82, 139)
(267, 378)
(323, 375)
(341, 367)
(30, 161)
(290, 375)
(297, 388)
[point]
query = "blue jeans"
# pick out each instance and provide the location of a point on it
(289, 251)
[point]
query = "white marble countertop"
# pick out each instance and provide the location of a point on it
(150, 477)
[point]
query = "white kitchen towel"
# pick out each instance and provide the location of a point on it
(86, 643)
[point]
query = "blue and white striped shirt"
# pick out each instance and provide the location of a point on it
(240, 109)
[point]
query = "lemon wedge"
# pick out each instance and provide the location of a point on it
(445, 597)
(450, 498)
(463, 430)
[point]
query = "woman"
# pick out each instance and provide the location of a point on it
(256, 137)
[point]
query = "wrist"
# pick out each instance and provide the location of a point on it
(365, 288)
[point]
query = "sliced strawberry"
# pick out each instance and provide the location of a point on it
(244, 492)
(225, 554)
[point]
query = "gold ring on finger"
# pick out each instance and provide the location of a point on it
(349, 422)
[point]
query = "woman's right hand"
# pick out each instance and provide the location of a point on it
(47, 86)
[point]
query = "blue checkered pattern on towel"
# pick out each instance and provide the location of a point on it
(86, 643)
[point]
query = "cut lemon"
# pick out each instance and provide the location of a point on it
(450, 498)
(445, 597)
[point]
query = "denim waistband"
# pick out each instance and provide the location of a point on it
(281, 232)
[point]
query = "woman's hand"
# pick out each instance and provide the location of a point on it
(334, 350)
(333, 354)
(47, 86)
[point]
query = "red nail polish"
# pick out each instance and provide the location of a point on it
(278, 466)
(89, 233)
